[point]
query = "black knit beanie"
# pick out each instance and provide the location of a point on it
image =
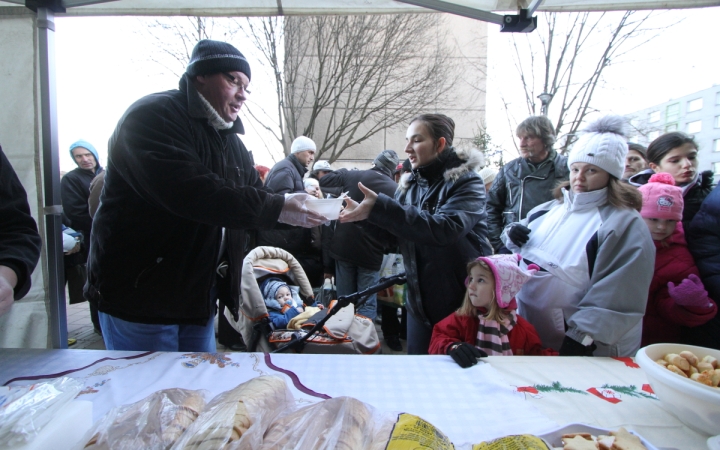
(209, 57)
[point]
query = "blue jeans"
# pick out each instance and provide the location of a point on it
(120, 334)
(350, 278)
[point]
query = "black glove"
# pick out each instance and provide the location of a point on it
(519, 234)
(465, 354)
(571, 347)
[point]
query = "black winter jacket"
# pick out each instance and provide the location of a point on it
(19, 238)
(703, 237)
(172, 183)
(349, 243)
(286, 176)
(517, 190)
(438, 218)
(74, 193)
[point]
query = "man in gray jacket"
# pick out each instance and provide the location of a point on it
(527, 181)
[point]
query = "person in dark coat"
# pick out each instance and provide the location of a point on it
(676, 153)
(357, 256)
(527, 181)
(703, 238)
(19, 239)
(438, 219)
(74, 193)
(287, 177)
(180, 192)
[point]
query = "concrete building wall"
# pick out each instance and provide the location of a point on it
(697, 114)
(468, 40)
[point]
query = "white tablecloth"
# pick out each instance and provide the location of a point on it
(505, 395)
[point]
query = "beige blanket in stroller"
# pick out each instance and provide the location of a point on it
(345, 332)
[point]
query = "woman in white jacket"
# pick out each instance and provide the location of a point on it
(596, 254)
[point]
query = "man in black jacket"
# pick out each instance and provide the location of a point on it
(19, 238)
(74, 193)
(357, 256)
(527, 181)
(179, 193)
(286, 177)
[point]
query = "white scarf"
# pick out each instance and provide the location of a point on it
(215, 120)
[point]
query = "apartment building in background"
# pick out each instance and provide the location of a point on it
(697, 114)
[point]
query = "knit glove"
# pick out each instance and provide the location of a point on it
(466, 355)
(295, 212)
(690, 292)
(519, 234)
(571, 347)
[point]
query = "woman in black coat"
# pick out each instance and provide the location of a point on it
(438, 219)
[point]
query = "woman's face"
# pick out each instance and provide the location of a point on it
(481, 287)
(420, 148)
(680, 162)
(585, 177)
(660, 228)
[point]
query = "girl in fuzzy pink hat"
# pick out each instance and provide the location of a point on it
(487, 323)
(677, 297)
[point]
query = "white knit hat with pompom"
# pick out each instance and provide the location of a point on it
(603, 144)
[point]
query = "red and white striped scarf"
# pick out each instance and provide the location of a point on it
(492, 335)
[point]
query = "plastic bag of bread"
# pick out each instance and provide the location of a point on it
(25, 410)
(154, 422)
(238, 418)
(341, 423)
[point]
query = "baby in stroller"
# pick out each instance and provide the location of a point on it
(282, 305)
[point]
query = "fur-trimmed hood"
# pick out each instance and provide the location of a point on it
(453, 163)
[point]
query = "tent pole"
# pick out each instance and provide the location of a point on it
(57, 315)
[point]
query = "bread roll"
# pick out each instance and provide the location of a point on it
(711, 360)
(691, 358)
(673, 368)
(186, 413)
(678, 361)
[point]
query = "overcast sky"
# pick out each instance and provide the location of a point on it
(105, 64)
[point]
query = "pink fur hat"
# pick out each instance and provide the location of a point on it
(509, 277)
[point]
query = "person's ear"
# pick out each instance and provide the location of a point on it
(441, 144)
(654, 167)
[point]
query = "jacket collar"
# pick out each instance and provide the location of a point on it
(451, 164)
(196, 109)
(298, 165)
(584, 200)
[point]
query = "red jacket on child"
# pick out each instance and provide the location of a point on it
(663, 317)
(523, 338)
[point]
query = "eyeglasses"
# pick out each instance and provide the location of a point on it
(236, 83)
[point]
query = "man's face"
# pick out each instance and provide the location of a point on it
(306, 157)
(83, 158)
(532, 148)
(322, 173)
(634, 163)
(225, 91)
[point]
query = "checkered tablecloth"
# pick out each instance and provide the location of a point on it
(505, 395)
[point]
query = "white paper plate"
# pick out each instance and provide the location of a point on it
(554, 437)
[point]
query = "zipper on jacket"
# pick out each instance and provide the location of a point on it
(146, 270)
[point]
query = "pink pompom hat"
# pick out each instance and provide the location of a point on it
(661, 198)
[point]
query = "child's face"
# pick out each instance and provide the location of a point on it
(481, 285)
(283, 295)
(660, 228)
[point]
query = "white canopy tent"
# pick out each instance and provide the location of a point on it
(28, 128)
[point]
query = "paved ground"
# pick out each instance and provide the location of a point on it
(80, 327)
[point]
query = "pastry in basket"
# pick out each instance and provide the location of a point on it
(229, 415)
(342, 423)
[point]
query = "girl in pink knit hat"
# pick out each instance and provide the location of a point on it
(677, 297)
(487, 323)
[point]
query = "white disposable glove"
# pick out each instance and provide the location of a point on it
(295, 212)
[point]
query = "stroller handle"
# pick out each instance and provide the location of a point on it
(357, 299)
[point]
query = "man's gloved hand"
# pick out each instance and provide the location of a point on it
(571, 347)
(519, 234)
(465, 354)
(295, 212)
(690, 292)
